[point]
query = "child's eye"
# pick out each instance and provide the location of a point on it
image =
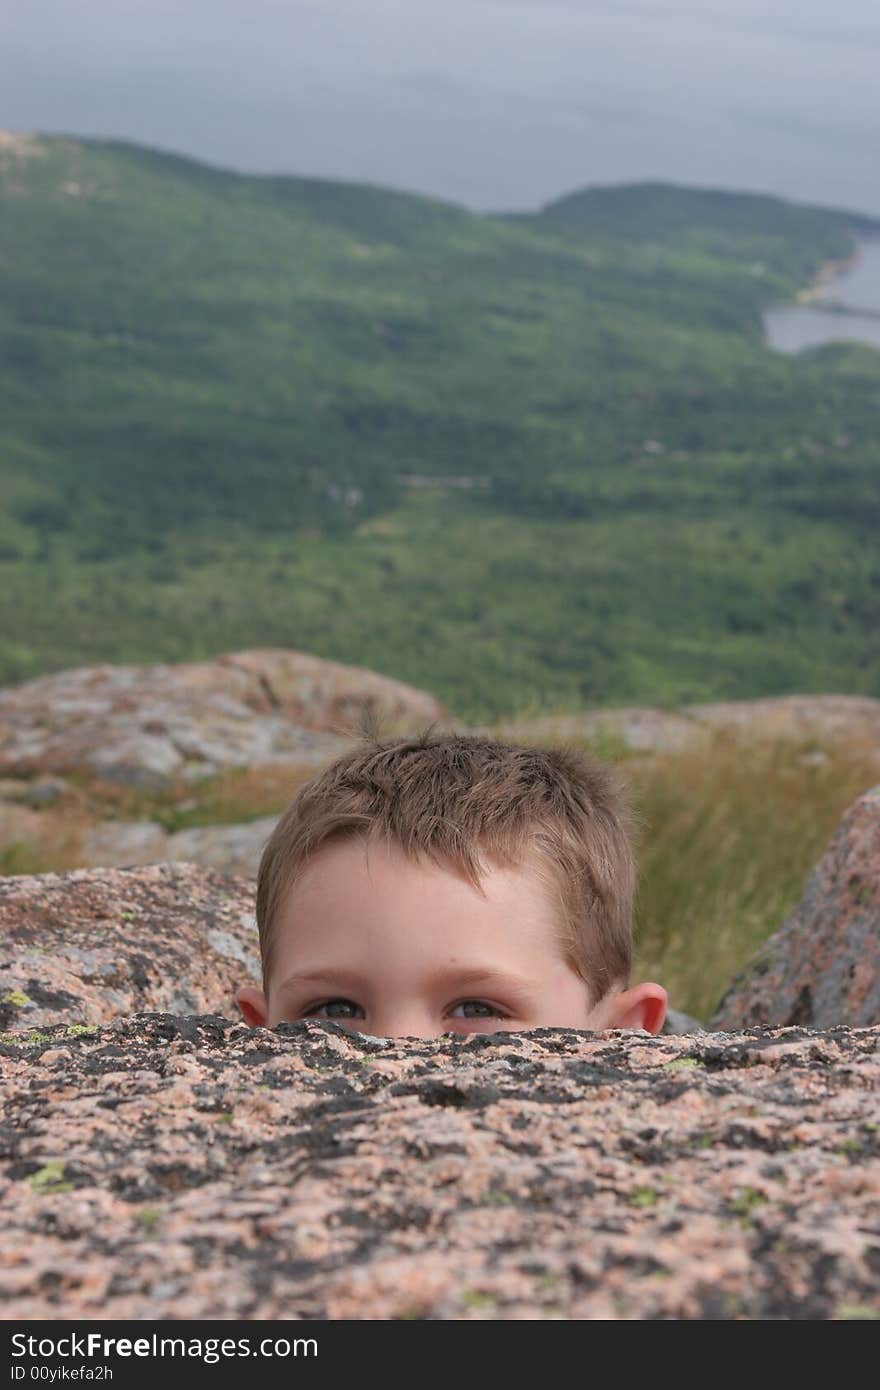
(335, 1008)
(476, 1008)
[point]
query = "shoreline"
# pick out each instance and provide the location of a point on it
(828, 272)
(837, 306)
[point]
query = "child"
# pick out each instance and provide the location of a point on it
(451, 883)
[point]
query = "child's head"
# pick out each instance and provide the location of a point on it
(444, 883)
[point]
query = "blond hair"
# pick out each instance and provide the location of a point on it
(458, 797)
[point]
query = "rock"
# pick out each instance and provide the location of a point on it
(189, 1167)
(146, 726)
(233, 849)
(15, 145)
(795, 716)
(137, 759)
(162, 1160)
(44, 792)
(116, 843)
(677, 1023)
(643, 729)
(647, 729)
(822, 966)
(85, 946)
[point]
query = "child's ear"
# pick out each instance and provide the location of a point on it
(252, 1002)
(644, 1006)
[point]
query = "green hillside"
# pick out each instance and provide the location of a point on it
(527, 462)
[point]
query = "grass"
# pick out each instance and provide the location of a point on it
(730, 840)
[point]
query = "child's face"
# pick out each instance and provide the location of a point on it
(394, 948)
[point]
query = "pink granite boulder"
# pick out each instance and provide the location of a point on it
(84, 946)
(166, 1167)
(152, 725)
(822, 966)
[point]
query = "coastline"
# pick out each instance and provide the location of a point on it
(837, 306)
(818, 289)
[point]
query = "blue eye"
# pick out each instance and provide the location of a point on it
(475, 1008)
(335, 1008)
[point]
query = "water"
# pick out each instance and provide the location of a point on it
(855, 293)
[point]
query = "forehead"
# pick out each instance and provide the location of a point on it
(356, 865)
(352, 889)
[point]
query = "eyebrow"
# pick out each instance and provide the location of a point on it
(489, 980)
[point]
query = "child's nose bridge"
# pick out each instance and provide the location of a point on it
(403, 1021)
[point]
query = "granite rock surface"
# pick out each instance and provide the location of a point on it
(822, 966)
(85, 946)
(233, 849)
(169, 1167)
(149, 725)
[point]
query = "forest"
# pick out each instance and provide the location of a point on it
(529, 462)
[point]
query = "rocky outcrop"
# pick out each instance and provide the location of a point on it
(166, 1167)
(823, 964)
(149, 726)
(644, 728)
(798, 717)
(159, 1159)
(152, 726)
(81, 948)
(234, 849)
(16, 146)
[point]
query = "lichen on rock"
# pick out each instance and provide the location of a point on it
(85, 946)
(191, 1167)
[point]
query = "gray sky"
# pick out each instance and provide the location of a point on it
(498, 104)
